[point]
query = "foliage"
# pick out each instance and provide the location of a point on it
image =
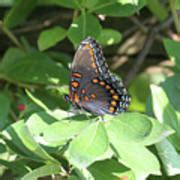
(40, 137)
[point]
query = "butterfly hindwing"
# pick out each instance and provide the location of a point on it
(92, 86)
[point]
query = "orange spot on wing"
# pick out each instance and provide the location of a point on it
(112, 91)
(108, 87)
(77, 75)
(116, 97)
(91, 52)
(93, 96)
(76, 98)
(95, 80)
(92, 58)
(102, 83)
(74, 84)
(86, 98)
(111, 109)
(93, 65)
(113, 103)
(83, 91)
(87, 46)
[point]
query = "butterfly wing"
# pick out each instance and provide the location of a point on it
(92, 86)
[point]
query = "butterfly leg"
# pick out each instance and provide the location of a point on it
(101, 118)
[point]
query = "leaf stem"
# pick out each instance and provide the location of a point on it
(175, 15)
(11, 36)
(84, 23)
(17, 83)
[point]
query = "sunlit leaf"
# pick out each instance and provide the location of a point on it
(108, 37)
(42, 171)
(158, 9)
(19, 12)
(50, 37)
(88, 146)
(83, 26)
(172, 48)
(48, 131)
(110, 170)
(19, 138)
(34, 67)
(165, 113)
(169, 157)
(118, 8)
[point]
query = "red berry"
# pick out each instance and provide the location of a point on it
(21, 107)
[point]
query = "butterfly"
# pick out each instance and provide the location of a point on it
(92, 86)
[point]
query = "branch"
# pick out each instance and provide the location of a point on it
(140, 59)
(154, 34)
(11, 36)
(175, 15)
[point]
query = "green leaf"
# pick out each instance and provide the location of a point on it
(19, 12)
(42, 171)
(158, 132)
(139, 97)
(177, 4)
(158, 9)
(75, 4)
(5, 3)
(90, 4)
(169, 156)
(88, 146)
(38, 122)
(109, 37)
(48, 131)
(137, 128)
(51, 99)
(5, 103)
(31, 68)
(130, 127)
(134, 156)
(165, 113)
(172, 48)
(110, 170)
(60, 133)
(19, 138)
(63, 58)
(50, 37)
(117, 7)
(172, 89)
(128, 133)
(83, 26)
(17, 166)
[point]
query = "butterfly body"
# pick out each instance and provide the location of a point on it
(92, 86)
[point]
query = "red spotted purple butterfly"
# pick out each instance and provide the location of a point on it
(92, 86)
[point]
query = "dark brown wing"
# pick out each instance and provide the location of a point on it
(92, 86)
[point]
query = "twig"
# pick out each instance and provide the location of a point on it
(154, 34)
(175, 15)
(140, 25)
(11, 36)
(168, 22)
(13, 115)
(140, 59)
(134, 28)
(34, 26)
